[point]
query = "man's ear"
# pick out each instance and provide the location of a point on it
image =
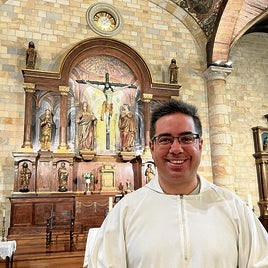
(151, 145)
(201, 144)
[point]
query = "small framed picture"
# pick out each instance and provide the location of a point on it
(260, 136)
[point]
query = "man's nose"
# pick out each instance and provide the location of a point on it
(176, 146)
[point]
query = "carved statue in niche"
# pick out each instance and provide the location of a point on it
(149, 173)
(127, 128)
(31, 55)
(25, 176)
(128, 185)
(46, 130)
(121, 187)
(63, 177)
(86, 122)
(173, 72)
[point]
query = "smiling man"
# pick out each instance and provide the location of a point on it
(179, 219)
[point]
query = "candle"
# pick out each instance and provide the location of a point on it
(110, 203)
(250, 201)
(4, 213)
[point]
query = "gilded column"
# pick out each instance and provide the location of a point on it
(64, 91)
(29, 89)
(146, 98)
(219, 126)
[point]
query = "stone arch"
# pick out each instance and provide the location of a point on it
(110, 47)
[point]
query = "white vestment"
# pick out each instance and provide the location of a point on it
(150, 229)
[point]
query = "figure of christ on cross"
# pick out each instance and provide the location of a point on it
(107, 105)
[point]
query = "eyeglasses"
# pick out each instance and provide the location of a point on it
(184, 139)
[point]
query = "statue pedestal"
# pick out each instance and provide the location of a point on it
(127, 156)
(87, 155)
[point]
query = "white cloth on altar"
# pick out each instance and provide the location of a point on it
(7, 248)
(90, 242)
(149, 228)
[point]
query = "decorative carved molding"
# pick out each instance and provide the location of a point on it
(64, 90)
(146, 97)
(127, 156)
(29, 87)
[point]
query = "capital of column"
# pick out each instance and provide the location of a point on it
(64, 90)
(147, 97)
(29, 87)
(217, 73)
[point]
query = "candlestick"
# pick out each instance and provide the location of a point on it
(3, 229)
(110, 203)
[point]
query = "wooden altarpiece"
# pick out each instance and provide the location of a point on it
(260, 136)
(60, 93)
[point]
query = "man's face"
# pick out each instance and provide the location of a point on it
(177, 165)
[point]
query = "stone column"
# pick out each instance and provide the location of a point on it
(219, 126)
(146, 98)
(29, 89)
(64, 91)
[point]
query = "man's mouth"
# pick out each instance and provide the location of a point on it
(177, 161)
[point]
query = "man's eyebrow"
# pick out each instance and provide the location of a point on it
(164, 134)
(186, 132)
(182, 133)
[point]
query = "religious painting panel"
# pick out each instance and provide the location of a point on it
(107, 93)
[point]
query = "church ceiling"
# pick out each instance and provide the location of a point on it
(205, 13)
(225, 21)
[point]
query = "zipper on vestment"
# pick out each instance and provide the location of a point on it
(184, 232)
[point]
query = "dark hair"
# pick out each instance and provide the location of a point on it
(172, 107)
(31, 44)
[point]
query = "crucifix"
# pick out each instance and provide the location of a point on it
(107, 105)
